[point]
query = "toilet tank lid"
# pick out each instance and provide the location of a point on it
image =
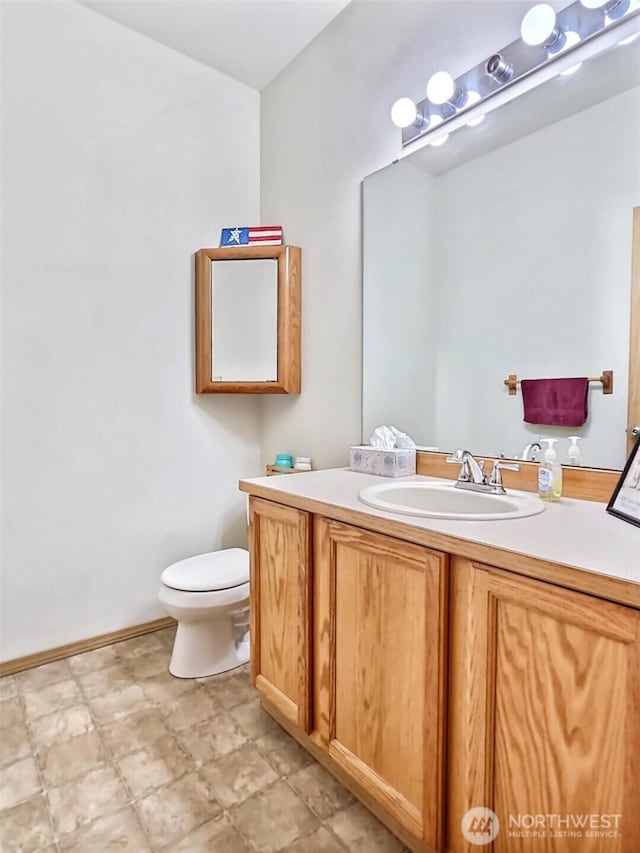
(208, 572)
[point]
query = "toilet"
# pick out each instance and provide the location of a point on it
(208, 595)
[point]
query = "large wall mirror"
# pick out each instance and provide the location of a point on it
(508, 250)
(248, 320)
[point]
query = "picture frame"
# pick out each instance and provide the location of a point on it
(625, 500)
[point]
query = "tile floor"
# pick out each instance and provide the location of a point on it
(106, 751)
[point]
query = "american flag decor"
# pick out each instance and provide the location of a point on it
(261, 235)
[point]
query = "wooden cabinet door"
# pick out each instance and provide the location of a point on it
(544, 724)
(281, 608)
(379, 658)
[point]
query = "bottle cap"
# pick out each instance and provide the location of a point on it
(550, 453)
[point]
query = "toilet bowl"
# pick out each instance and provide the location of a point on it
(208, 595)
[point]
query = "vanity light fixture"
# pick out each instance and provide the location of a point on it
(581, 30)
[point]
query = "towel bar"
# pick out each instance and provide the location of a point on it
(606, 379)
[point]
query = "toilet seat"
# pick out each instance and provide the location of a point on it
(210, 572)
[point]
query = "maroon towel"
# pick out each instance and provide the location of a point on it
(555, 402)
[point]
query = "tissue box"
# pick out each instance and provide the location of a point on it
(387, 463)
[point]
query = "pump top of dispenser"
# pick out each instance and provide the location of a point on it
(574, 451)
(550, 451)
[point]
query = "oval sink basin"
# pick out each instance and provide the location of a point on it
(444, 500)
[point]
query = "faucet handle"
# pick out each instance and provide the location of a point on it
(460, 457)
(495, 478)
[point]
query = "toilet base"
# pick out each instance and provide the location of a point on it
(205, 648)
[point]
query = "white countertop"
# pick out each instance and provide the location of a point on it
(574, 533)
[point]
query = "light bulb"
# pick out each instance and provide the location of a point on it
(440, 87)
(538, 25)
(404, 112)
(441, 141)
(572, 70)
(476, 121)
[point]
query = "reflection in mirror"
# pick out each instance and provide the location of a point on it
(244, 318)
(516, 262)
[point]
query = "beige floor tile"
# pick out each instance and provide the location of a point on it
(283, 752)
(19, 782)
(320, 791)
(165, 688)
(134, 732)
(138, 646)
(237, 776)
(113, 677)
(93, 660)
(14, 744)
(216, 836)
(146, 666)
(171, 812)
(26, 827)
(189, 710)
(167, 636)
(77, 803)
(274, 818)
(212, 739)
(60, 725)
(118, 704)
(120, 831)
(41, 676)
(361, 832)
(10, 713)
(70, 758)
(233, 691)
(253, 720)
(54, 697)
(156, 764)
(8, 687)
(320, 841)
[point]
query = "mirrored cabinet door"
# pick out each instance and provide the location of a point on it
(248, 320)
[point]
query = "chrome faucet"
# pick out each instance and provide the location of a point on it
(532, 452)
(472, 476)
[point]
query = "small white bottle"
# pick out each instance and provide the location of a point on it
(574, 451)
(550, 473)
(302, 463)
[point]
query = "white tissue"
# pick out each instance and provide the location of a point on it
(390, 438)
(383, 438)
(403, 441)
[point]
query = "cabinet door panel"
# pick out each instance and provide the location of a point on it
(545, 724)
(383, 662)
(280, 608)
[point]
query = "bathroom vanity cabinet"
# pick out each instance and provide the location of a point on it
(432, 680)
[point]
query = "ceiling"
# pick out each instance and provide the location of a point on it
(249, 40)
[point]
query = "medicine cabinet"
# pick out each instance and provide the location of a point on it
(248, 320)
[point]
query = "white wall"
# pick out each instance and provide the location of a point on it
(325, 125)
(120, 158)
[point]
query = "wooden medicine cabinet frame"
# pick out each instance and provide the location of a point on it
(289, 320)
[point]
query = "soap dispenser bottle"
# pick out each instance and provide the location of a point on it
(574, 451)
(550, 473)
